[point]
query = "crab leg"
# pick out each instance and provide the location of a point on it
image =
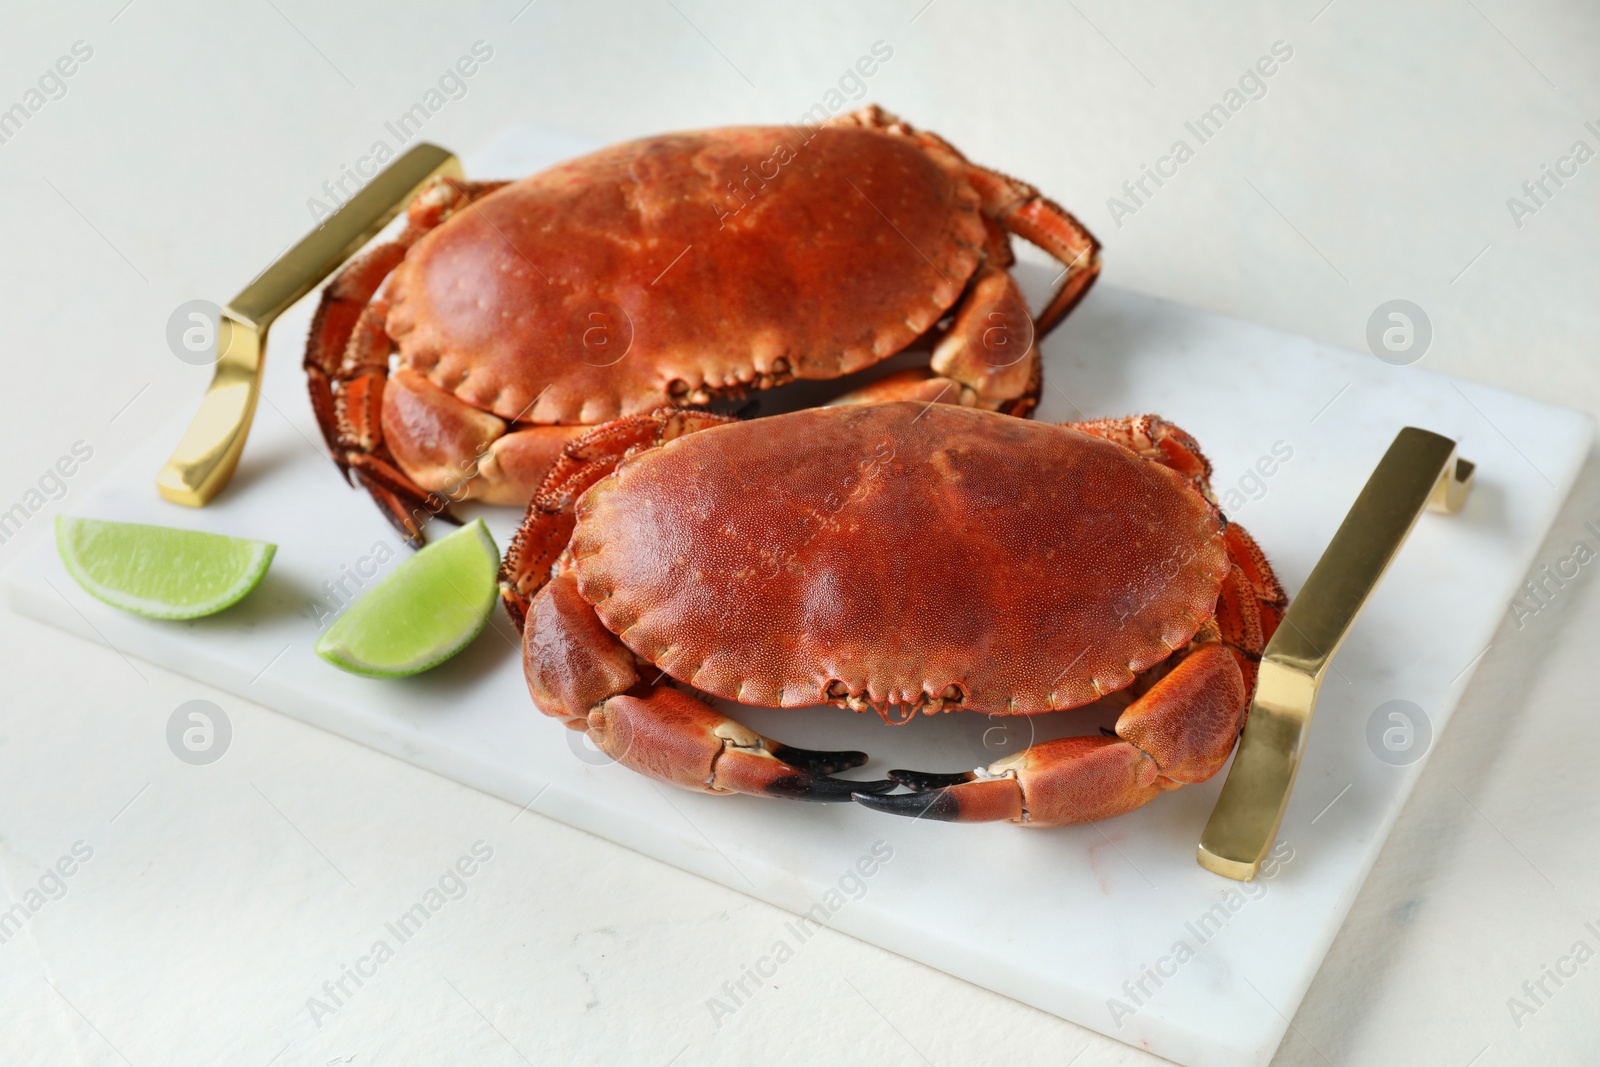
(1178, 733)
(344, 301)
(1045, 223)
(1158, 440)
(987, 359)
(579, 672)
(347, 363)
(1020, 209)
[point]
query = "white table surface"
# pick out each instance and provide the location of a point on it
(1377, 166)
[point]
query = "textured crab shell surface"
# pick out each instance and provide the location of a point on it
(904, 553)
(704, 276)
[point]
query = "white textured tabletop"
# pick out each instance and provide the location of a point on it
(1426, 152)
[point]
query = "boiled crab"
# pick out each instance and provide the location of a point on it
(674, 271)
(897, 557)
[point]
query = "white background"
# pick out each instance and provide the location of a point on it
(179, 163)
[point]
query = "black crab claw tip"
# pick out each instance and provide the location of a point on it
(921, 780)
(939, 805)
(820, 787)
(819, 762)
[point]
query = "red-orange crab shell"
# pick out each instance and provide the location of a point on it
(729, 565)
(810, 284)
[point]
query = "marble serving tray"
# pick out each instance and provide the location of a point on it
(1113, 926)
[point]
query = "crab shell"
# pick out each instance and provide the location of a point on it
(806, 281)
(902, 556)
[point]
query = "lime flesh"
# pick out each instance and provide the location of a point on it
(160, 571)
(423, 612)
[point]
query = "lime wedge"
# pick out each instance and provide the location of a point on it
(426, 610)
(160, 571)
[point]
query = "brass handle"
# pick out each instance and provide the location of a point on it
(209, 450)
(1419, 472)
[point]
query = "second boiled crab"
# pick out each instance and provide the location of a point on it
(903, 557)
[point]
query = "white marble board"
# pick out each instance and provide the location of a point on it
(1073, 920)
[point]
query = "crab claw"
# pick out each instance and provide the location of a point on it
(822, 762)
(577, 671)
(920, 780)
(985, 800)
(1179, 732)
(1070, 780)
(675, 738)
(749, 763)
(821, 787)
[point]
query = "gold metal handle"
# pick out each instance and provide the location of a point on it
(209, 450)
(1419, 472)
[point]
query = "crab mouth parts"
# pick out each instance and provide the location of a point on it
(706, 393)
(895, 713)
